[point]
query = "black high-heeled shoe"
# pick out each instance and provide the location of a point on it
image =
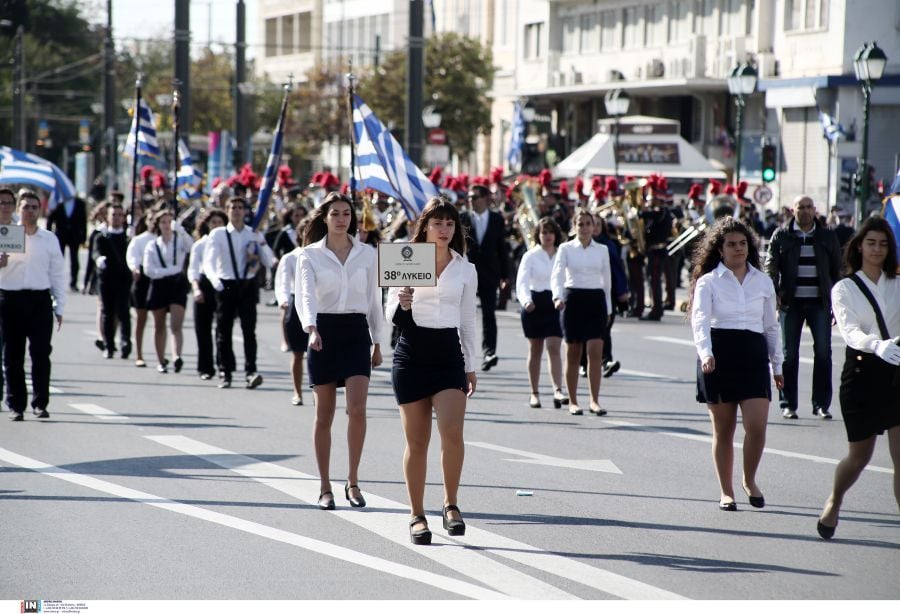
(329, 505)
(559, 399)
(825, 532)
(422, 537)
(178, 364)
(453, 527)
(354, 501)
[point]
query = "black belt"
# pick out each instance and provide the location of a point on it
(24, 291)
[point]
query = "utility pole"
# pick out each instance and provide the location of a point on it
(183, 61)
(19, 89)
(109, 161)
(415, 74)
(240, 76)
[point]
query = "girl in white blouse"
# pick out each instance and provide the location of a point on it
(737, 336)
(339, 304)
(581, 283)
(164, 264)
(145, 233)
(870, 381)
(540, 320)
(434, 363)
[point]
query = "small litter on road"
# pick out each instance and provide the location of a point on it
(524, 493)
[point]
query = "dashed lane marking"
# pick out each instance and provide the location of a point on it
(96, 411)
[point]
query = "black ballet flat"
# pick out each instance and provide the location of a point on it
(825, 532)
(453, 527)
(422, 537)
(729, 506)
(330, 504)
(354, 501)
(758, 502)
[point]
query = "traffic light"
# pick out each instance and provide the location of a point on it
(848, 185)
(769, 163)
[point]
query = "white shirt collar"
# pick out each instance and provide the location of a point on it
(721, 270)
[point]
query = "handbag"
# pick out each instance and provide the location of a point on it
(879, 318)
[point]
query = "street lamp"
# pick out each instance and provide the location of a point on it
(617, 102)
(869, 64)
(741, 83)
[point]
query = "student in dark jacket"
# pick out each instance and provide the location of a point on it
(68, 221)
(114, 281)
(804, 262)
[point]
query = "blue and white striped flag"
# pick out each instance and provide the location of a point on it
(146, 134)
(271, 172)
(188, 180)
(61, 188)
(891, 213)
(382, 164)
(895, 187)
(830, 128)
(514, 155)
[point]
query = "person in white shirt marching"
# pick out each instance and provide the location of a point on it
(870, 381)
(292, 329)
(737, 336)
(134, 256)
(164, 264)
(434, 363)
(340, 307)
(540, 320)
(581, 283)
(204, 294)
(230, 261)
(32, 291)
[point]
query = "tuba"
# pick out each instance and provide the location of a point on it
(631, 211)
(527, 214)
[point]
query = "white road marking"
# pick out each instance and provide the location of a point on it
(306, 488)
(98, 412)
(605, 466)
(708, 439)
(677, 341)
(316, 546)
(647, 374)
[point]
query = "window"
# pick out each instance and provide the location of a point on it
(608, 24)
(533, 40)
(271, 37)
(304, 41)
(656, 25)
(590, 33)
(705, 18)
(733, 18)
(569, 35)
(802, 15)
(287, 35)
(631, 34)
(679, 21)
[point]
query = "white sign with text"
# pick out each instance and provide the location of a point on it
(407, 264)
(12, 239)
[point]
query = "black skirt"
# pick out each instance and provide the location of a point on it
(585, 316)
(742, 368)
(165, 291)
(345, 349)
(544, 321)
(870, 395)
(139, 290)
(426, 361)
(297, 338)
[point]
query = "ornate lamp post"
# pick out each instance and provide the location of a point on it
(741, 83)
(869, 64)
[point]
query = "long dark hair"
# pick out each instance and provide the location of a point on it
(546, 222)
(317, 228)
(853, 255)
(708, 256)
(203, 223)
(441, 208)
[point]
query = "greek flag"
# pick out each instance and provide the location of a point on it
(25, 168)
(830, 128)
(188, 180)
(514, 155)
(382, 164)
(271, 172)
(891, 213)
(895, 187)
(146, 134)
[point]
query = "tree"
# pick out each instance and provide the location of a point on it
(317, 112)
(458, 74)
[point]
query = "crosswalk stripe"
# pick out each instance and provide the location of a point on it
(96, 411)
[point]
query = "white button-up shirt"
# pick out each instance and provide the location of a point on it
(323, 285)
(534, 273)
(195, 265)
(449, 304)
(285, 276)
(41, 267)
(855, 316)
(174, 254)
(582, 267)
(134, 255)
(217, 263)
(721, 301)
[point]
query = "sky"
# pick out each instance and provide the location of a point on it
(135, 20)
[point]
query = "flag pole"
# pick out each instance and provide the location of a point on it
(274, 161)
(176, 154)
(351, 78)
(134, 163)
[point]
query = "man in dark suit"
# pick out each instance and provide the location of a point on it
(69, 222)
(487, 249)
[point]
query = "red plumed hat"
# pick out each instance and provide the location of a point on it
(695, 192)
(545, 178)
(596, 182)
(435, 176)
(730, 190)
(612, 185)
(599, 194)
(329, 181)
(564, 188)
(345, 189)
(579, 187)
(482, 181)
(496, 175)
(316, 178)
(742, 188)
(285, 175)
(715, 187)
(146, 172)
(463, 180)
(216, 182)
(158, 180)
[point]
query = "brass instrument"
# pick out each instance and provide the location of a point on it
(696, 228)
(631, 211)
(527, 213)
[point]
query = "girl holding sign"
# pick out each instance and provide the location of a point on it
(434, 363)
(339, 304)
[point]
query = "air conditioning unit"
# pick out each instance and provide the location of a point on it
(615, 75)
(656, 69)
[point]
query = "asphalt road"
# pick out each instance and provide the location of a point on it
(151, 486)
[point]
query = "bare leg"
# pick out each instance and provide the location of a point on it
(176, 324)
(595, 369)
(159, 334)
(140, 322)
(573, 357)
(724, 420)
(535, 349)
(325, 398)
(894, 445)
(450, 408)
(416, 420)
(554, 360)
(846, 474)
(754, 416)
(297, 372)
(357, 395)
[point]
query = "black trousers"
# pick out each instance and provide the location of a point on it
(237, 300)
(73, 257)
(487, 293)
(26, 315)
(115, 309)
(655, 263)
(636, 283)
(204, 314)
